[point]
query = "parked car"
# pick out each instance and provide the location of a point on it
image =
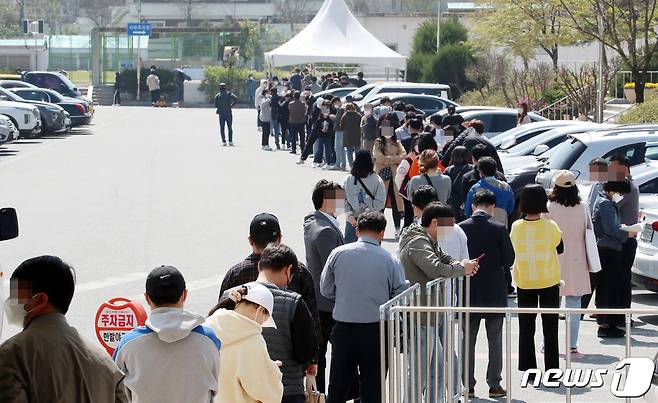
(497, 121)
(359, 93)
(54, 118)
(521, 134)
(8, 132)
(545, 141)
(7, 84)
(335, 92)
(25, 117)
(77, 109)
(645, 268)
(429, 104)
(579, 149)
(439, 90)
(54, 81)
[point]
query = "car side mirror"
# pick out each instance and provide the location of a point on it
(357, 97)
(75, 89)
(540, 149)
(508, 143)
(8, 224)
(3, 98)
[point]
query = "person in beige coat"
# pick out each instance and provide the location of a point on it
(388, 152)
(247, 374)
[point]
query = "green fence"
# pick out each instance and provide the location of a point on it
(73, 53)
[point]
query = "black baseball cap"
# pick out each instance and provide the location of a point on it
(264, 228)
(165, 281)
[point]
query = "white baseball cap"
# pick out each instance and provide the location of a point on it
(259, 294)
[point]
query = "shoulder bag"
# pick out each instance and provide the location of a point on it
(591, 247)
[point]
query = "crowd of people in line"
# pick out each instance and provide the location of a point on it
(266, 338)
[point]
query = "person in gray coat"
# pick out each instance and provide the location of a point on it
(321, 236)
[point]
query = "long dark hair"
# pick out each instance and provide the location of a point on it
(566, 196)
(227, 303)
(363, 164)
(394, 122)
(524, 112)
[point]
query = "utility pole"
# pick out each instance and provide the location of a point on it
(139, 50)
(438, 26)
(600, 90)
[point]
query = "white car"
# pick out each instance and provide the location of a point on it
(8, 132)
(645, 269)
(439, 90)
(520, 134)
(498, 120)
(579, 149)
(25, 117)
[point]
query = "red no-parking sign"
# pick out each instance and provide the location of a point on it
(115, 318)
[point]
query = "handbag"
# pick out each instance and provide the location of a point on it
(312, 394)
(405, 182)
(591, 247)
(386, 173)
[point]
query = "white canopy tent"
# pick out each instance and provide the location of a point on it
(335, 36)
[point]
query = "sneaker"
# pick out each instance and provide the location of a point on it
(316, 165)
(397, 233)
(278, 147)
(267, 148)
(300, 162)
(327, 167)
(471, 393)
(497, 392)
(230, 143)
(223, 144)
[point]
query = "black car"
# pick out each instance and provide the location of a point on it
(54, 118)
(77, 109)
(53, 81)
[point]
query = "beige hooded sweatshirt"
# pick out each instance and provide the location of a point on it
(247, 373)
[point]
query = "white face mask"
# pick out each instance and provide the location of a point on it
(616, 198)
(14, 312)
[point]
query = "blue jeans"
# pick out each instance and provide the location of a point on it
(435, 377)
(573, 302)
(276, 128)
(350, 151)
(226, 120)
(324, 147)
(339, 149)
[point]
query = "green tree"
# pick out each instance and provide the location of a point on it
(627, 27)
(9, 25)
(424, 40)
(525, 25)
(449, 65)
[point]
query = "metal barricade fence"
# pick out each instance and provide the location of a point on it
(414, 342)
(395, 314)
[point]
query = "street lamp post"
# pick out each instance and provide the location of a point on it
(139, 50)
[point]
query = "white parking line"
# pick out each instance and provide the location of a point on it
(109, 282)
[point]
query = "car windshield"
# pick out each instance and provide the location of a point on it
(566, 154)
(11, 96)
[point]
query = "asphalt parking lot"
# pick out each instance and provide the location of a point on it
(141, 187)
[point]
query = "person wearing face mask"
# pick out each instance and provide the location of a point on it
(410, 168)
(294, 341)
(264, 230)
(430, 174)
(610, 238)
(322, 235)
(424, 260)
(265, 118)
(368, 128)
(504, 194)
(359, 277)
(388, 152)
(324, 132)
(48, 361)
(490, 240)
(248, 374)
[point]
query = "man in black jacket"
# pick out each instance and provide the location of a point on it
(470, 138)
(472, 177)
(224, 101)
(489, 241)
